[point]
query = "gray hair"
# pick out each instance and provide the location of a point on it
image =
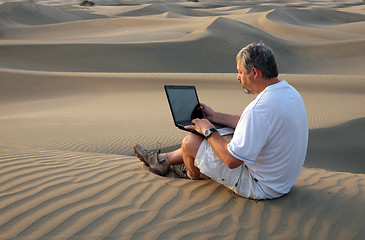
(259, 56)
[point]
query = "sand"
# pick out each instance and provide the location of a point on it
(79, 86)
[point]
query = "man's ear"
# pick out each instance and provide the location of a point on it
(256, 72)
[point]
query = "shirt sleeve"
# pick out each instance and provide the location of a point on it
(250, 136)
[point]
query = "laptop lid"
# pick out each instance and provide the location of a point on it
(184, 104)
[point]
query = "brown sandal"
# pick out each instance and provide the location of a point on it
(160, 166)
(182, 171)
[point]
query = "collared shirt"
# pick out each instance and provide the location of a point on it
(271, 138)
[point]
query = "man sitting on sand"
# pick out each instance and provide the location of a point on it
(265, 155)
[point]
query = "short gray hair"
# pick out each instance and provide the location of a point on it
(259, 56)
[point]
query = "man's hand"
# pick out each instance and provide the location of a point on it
(218, 143)
(207, 111)
(221, 118)
(200, 125)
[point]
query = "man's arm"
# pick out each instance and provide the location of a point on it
(219, 146)
(221, 118)
(218, 143)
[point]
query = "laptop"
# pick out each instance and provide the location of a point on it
(185, 106)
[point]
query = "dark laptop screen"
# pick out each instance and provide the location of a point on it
(184, 103)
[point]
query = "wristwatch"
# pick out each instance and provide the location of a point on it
(209, 132)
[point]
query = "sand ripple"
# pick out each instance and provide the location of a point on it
(62, 195)
(69, 117)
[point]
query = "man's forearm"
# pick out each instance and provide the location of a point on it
(226, 119)
(219, 146)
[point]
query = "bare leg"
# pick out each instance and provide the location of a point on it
(175, 156)
(190, 147)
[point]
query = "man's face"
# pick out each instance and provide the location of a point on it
(243, 77)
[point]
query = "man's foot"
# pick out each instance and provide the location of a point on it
(182, 171)
(160, 166)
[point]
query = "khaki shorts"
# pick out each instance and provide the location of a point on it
(238, 180)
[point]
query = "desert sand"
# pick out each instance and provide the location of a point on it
(79, 86)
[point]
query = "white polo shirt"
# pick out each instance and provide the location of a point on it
(271, 138)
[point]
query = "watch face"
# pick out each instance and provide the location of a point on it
(207, 132)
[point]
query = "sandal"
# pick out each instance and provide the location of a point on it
(160, 166)
(182, 171)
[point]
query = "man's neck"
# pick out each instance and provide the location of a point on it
(268, 82)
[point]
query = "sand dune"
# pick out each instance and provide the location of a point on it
(79, 86)
(158, 8)
(28, 13)
(59, 194)
(307, 40)
(307, 17)
(108, 30)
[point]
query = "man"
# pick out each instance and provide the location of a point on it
(266, 153)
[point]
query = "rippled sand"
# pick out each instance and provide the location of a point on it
(76, 94)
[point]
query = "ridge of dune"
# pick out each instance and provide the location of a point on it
(305, 34)
(106, 30)
(28, 13)
(170, 15)
(313, 16)
(222, 26)
(159, 8)
(357, 28)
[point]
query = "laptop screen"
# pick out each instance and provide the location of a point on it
(184, 103)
